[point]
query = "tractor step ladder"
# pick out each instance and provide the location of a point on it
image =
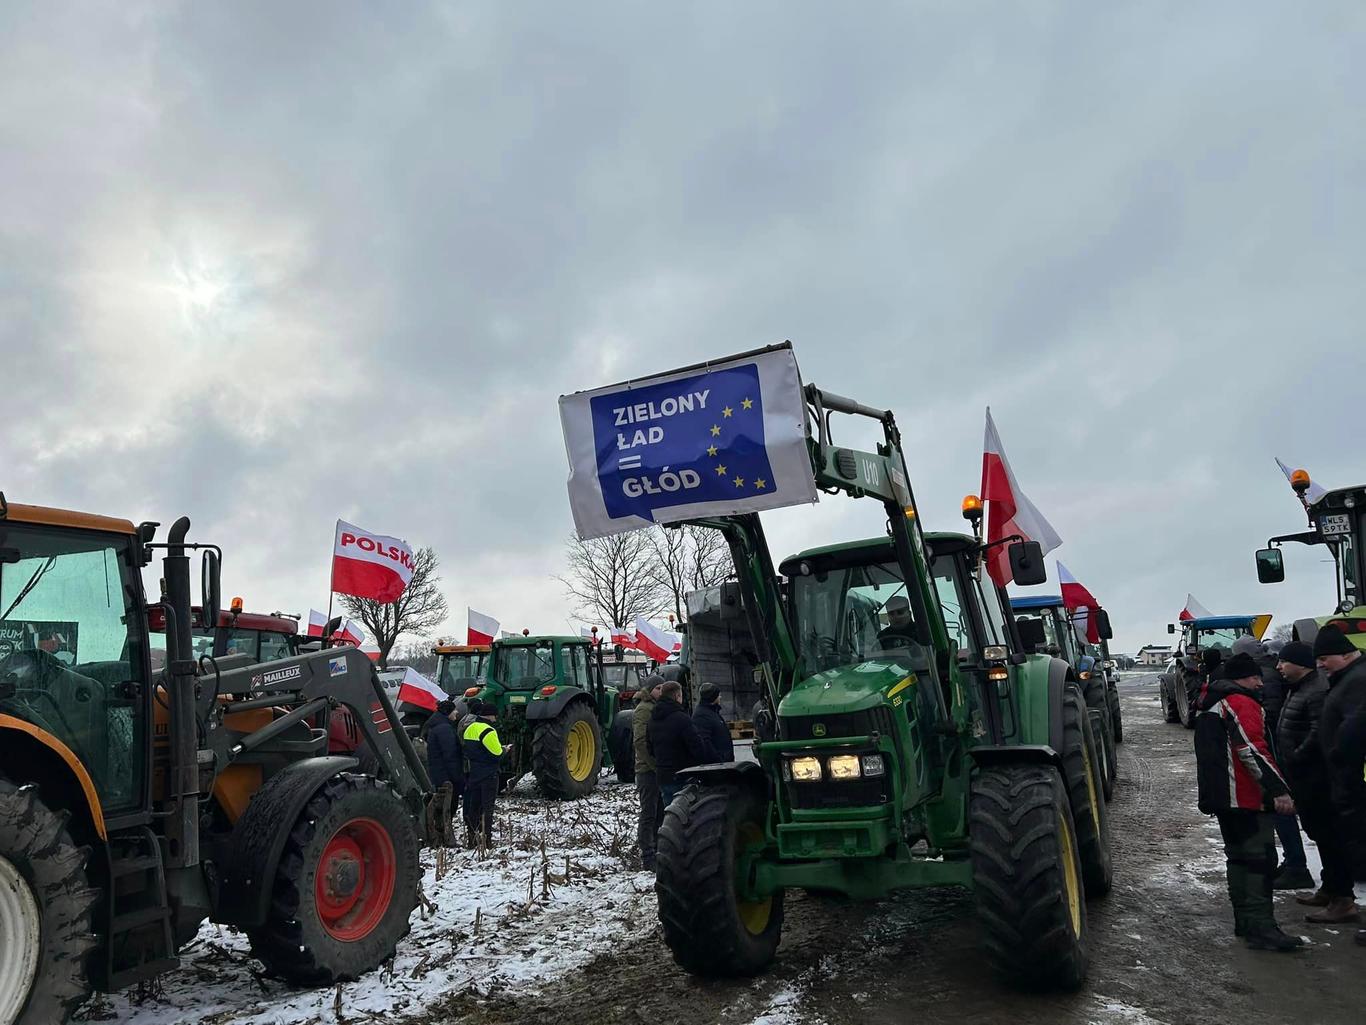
(140, 943)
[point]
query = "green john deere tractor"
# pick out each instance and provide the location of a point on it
(553, 710)
(915, 743)
(1337, 520)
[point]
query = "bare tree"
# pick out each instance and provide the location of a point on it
(1283, 633)
(417, 653)
(611, 580)
(687, 559)
(420, 608)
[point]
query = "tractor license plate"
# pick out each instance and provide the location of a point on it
(1335, 524)
(517, 699)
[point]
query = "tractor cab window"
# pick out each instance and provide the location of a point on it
(201, 642)
(459, 670)
(993, 617)
(1223, 637)
(576, 666)
(71, 650)
(243, 642)
(524, 666)
(849, 615)
(274, 645)
(955, 601)
(1054, 642)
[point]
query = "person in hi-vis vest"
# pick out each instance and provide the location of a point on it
(482, 750)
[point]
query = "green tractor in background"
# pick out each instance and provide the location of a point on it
(916, 743)
(1337, 520)
(554, 709)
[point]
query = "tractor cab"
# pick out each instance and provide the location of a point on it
(1216, 632)
(262, 638)
(1337, 521)
(460, 666)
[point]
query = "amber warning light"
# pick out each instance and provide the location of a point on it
(972, 508)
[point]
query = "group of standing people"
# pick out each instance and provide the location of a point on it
(1280, 744)
(463, 751)
(668, 740)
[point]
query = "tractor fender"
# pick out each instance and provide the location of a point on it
(32, 753)
(744, 774)
(542, 710)
(258, 839)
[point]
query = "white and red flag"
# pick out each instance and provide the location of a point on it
(482, 629)
(416, 689)
(317, 623)
(367, 565)
(370, 650)
(1193, 609)
(1314, 491)
(1076, 596)
(1009, 510)
(656, 642)
(349, 632)
(624, 636)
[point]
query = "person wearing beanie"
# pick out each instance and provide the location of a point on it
(1238, 783)
(707, 718)
(1342, 734)
(1301, 758)
(651, 814)
(445, 762)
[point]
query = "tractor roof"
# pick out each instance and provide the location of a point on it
(1220, 622)
(156, 620)
(1337, 498)
(1036, 601)
(935, 538)
(540, 639)
(41, 515)
(460, 649)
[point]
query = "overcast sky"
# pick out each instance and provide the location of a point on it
(270, 264)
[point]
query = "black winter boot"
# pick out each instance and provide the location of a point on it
(1270, 937)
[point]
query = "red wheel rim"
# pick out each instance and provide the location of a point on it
(355, 880)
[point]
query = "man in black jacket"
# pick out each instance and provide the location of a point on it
(715, 733)
(1300, 757)
(1342, 733)
(445, 761)
(673, 740)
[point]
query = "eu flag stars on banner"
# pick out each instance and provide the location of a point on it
(693, 439)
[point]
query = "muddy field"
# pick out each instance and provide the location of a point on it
(583, 950)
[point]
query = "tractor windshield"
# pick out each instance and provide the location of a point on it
(458, 670)
(1221, 638)
(71, 638)
(524, 666)
(850, 615)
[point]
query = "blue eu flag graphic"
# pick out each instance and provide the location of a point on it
(694, 439)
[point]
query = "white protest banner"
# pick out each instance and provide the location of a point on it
(718, 439)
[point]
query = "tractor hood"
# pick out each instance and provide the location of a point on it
(848, 690)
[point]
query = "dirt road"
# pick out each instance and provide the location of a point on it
(1162, 943)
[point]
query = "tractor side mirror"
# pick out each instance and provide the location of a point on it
(1103, 624)
(1031, 633)
(1171, 628)
(1270, 566)
(210, 587)
(732, 606)
(1026, 563)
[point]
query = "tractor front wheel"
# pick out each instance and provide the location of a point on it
(1085, 788)
(566, 753)
(45, 905)
(710, 928)
(1169, 703)
(1105, 750)
(345, 888)
(1026, 869)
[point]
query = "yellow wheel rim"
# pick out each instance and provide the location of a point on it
(1070, 883)
(754, 915)
(1090, 782)
(580, 750)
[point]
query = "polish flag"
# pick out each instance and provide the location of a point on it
(655, 642)
(624, 636)
(368, 565)
(482, 629)
(1075, 596)
(1009, 511)
(370, 650)
(1193, 609)
(317, 623)
(416, 689)
(349, 632)
(597, 638)
(1314, 493)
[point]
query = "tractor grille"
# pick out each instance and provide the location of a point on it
(853, 793)
(847, 724)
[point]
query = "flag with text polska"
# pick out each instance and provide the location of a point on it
(722, 439)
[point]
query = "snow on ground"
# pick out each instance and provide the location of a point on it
(558, 889)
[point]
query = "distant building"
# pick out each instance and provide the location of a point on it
(1154, 655)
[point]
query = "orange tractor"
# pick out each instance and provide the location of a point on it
(135, 803)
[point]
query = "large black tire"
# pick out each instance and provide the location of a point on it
(709, 931)
(296, 942)
(1027, 876)
(54, 887)
(1169, 702)
(1082, 774)
(623, 748)
(561, 775)
(1105, 749)
(1185, 703)
(1116, 717)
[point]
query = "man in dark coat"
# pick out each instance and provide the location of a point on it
(445, 761)
(673, 740)
(483, 751)
(1301, 760)
(715, 733)
(647, 779)
(1342, 734)
(1239, 782)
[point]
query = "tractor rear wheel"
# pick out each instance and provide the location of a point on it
(1082, 774)
(1116, 717)
(1026, 869)
(709, 928)
(566, 753)
(1105, 750)
(45, 911)
(1169, 703)
(345, 888)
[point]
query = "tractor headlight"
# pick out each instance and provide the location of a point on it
(844, 767)
(873, 765)
(806, 770)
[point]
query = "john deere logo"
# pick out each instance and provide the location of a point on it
(818, 730)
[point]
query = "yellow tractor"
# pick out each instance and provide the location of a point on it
(134, 805)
